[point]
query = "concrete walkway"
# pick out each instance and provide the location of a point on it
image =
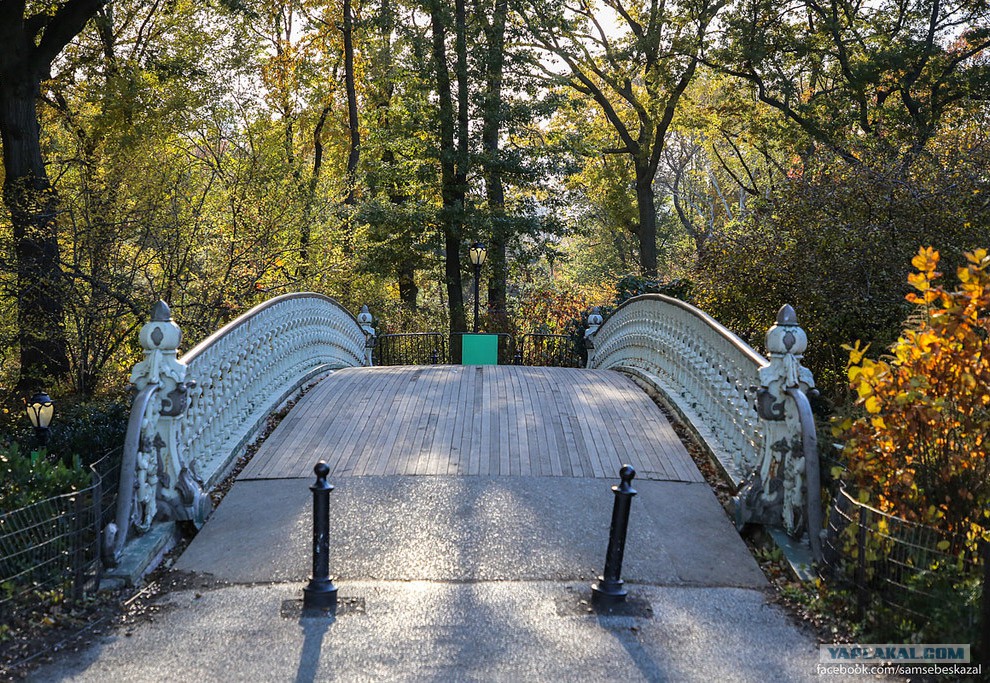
(463, 578)
(460, 579)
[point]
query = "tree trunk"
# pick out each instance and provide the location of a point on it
(305, 229)
(491, 129)
(29, 47)
(354, 151)
(33, 206)
(408, 291)
(647, 232)
(452, 211)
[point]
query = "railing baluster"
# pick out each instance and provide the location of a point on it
(705, 370)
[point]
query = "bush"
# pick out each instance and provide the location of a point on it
(919, 445)
(81, 433)
(89, 430)
(835, 242)
(635, 285)
(84, 429)
(27, 478)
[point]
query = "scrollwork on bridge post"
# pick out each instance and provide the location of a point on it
(775, 493)
(167, 486)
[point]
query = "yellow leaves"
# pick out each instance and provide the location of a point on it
(840, 426)
(855, 352)
(926, 261)
(979, 258)
(919, 443)
(919, 281)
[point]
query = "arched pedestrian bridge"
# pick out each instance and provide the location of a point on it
(471, 504)
(194, 415)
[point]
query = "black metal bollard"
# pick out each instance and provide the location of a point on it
(608, 589)
(321, 593)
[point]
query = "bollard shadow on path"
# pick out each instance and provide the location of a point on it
(314, 630)
(625, 631)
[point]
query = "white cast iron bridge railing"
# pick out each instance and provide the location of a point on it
(752, 413)
(193, 415)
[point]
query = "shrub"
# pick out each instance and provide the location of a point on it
(918, 445)
(634, 285)
(81, 434)
(27, 478)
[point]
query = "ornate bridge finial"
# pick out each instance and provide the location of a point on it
(160, 312)
(365, 320)
(774, 493)
(595, 321)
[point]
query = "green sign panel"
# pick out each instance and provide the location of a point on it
(479, 349)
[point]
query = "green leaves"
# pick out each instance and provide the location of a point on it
(26, 478)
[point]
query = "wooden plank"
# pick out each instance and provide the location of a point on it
(461, 416)
(552, 428)
(377, 433)
(270, 461)
(531, 456)
(480, 424)
(413, 389)
(415, 460)
(334, 444)
(341, 440)
(517, 420)
(404, 405)
(502, 405)
(476, 421)
(343, 446)
(570, 460)
(439, 451)
(488, 448)
(587, 424)
(631, 448)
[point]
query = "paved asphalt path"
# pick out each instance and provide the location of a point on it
(459, 579)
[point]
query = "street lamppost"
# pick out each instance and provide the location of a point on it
(40, 411)
(478, 254)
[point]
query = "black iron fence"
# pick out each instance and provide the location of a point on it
(910, 579)
(411, 348)
(432, 348)
(553, 350)
(50, 550)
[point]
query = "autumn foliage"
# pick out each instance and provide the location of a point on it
(919, 449)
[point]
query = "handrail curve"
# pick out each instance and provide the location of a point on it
(193, 415)
(251, 365)
(767, 446)
(705, 370)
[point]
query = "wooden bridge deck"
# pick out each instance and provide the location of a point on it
(474, 420)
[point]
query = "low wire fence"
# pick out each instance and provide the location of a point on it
(50, 550)
(434, 348)
(911, 579)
